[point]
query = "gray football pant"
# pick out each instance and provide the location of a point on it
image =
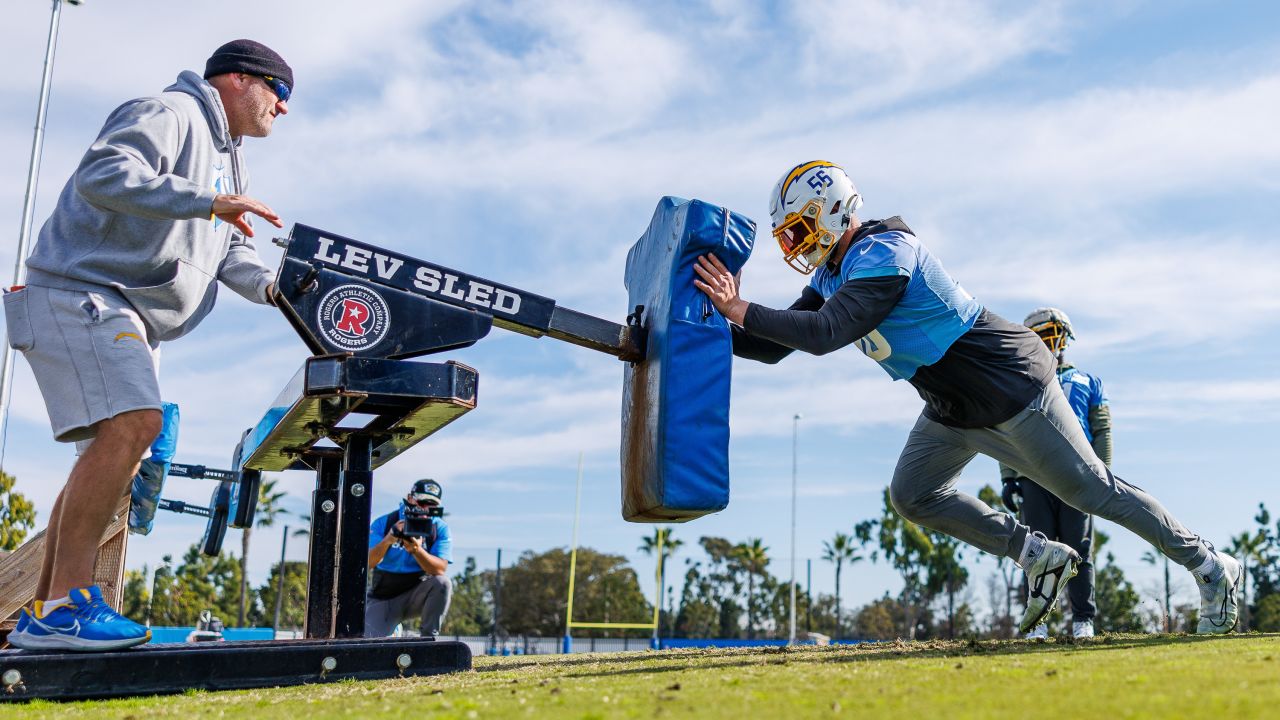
(428, 600)
(1044, 441)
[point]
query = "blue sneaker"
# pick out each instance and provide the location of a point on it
(24, 617)
(87, 623)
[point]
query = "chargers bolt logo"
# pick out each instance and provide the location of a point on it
(353, 318)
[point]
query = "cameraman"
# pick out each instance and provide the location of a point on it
(409, 553)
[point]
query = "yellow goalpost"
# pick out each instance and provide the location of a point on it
(570, 623)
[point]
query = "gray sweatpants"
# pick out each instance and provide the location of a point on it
(1045, 442)
(428, 600)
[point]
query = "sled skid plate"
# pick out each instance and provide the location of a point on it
(399, 401)
(177, 667)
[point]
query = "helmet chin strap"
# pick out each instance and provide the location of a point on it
(844, 241)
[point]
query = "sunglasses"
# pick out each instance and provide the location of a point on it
(278, 86)
(425, 503)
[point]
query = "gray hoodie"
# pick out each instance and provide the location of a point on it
(136, 215)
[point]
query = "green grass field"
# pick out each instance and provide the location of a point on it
(1136, 676)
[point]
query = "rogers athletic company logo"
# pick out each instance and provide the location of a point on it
(353, 317)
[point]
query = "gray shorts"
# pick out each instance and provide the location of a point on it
(89, 352)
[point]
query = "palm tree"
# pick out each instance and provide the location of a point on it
(1247, 547)
(267, 512)
(754, 558)
(649, 546)
(1152, 557)
(840, 550)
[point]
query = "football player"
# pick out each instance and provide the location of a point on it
(1040, 509)
(989, 386)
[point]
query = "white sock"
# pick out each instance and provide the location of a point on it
(1031, 549)
(49, 606)
(1207, 571)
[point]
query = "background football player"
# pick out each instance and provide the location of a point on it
(1040, 510)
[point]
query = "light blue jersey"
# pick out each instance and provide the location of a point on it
(932, 313)
(397, 559)
(1083, 392)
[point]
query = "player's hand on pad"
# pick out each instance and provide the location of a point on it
(721, 286)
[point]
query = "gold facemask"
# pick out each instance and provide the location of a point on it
(800, 238)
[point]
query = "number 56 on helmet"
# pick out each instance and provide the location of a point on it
(811, 207)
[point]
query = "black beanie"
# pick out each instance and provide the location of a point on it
(247, 56)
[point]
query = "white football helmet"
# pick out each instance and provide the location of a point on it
(1053, 326)
(811, 207)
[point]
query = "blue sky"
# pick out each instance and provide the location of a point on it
(1116, 159)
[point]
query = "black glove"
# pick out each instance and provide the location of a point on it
(1011, 495)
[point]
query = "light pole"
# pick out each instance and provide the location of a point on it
(29, 200)
(495, 634)
(795, 431)
(275, 619)
(808, 594)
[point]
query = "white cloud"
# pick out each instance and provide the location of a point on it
(893, 50)
(1219, 401)
(1100, 152)
(1161, 295)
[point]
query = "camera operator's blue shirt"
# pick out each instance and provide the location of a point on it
(397, 559)
(933, 311)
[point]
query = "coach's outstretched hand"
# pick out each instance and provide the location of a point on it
(235, 208)
(721, 286)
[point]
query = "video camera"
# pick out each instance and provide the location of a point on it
(417, 523)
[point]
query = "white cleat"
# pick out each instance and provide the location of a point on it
(1046, 578)
(1218, 604)
(1082, 629)
(1041, 632)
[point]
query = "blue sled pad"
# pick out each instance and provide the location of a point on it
(675, 403)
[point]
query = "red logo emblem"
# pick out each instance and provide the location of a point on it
(353, 317)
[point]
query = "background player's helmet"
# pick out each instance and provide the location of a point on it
(811, 207)
(1053, 326)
